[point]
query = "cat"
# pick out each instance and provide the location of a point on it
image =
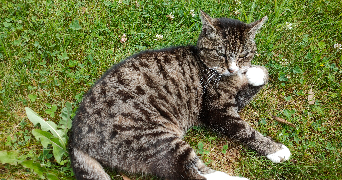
(134, 117)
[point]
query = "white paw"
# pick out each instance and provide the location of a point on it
(256, 76)
(280, 156)
(218, 175)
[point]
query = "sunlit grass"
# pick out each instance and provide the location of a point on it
(52, 52)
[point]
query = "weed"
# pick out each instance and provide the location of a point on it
(52, 137)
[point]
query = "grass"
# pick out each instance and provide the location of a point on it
(52, 52)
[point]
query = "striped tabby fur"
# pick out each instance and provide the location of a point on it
(134, 117)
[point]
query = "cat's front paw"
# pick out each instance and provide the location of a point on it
(256, 76)
(218, 175)
(280, 156)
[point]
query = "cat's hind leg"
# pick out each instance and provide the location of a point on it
(86, 167)
(172, 158)
(181, 162)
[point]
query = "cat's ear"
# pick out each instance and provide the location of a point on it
(255, 26)
(207, 21)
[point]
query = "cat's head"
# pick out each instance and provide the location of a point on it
(227, 45)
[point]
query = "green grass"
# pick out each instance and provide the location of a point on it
(52, 52)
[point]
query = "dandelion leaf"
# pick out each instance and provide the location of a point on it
(65, 122)
(52, 176)
(46, 138)
(35, 167)
(45, 125)
(10, 157)
(58, 152)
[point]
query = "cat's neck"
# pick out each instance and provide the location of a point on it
(209, 78)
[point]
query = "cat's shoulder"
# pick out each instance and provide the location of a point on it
(177, 52)
(147, 54)
(167, 50)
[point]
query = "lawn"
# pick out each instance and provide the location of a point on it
(51, 53)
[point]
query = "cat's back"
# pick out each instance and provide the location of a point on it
(152, 89)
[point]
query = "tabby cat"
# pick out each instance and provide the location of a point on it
(134, 117)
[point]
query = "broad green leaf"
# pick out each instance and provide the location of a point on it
(288, 98)
(321, 44)
(58, 152)
(72, 63)
(36, 44)
(282, 77)
(10, 157)
(288, 113)
(200, 145)
(47, 138)
(107, 3)
(6, 24)
(297, 70)
(35, 167)
(90, 58)
(45, 125)
(64, 56)
(32, 97)
(51, 111)
(53, 108)
(9, 141)
(62, 134)
(16, 42)
(52, 176)
(224, 149)
(47, 104)
(75, 25)
(65, 122)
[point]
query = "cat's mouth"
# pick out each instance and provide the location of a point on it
(229, 73)
(232, 72)
(243, 70)
(236, 72)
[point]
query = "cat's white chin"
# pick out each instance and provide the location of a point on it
(256, 76)
(218, 175)
(280, 156)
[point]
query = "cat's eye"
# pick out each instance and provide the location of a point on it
(243, 54)
(222, 54)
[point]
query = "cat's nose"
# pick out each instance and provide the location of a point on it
(231, 70)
